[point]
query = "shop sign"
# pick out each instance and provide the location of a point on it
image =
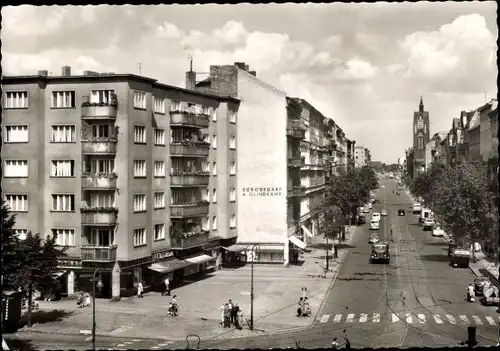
(69, 264)
(157, 256)
(261, 191)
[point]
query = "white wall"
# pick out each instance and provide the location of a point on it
(262, 162)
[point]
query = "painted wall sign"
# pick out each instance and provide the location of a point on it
(69, 264)
(261, 191)
(162, 255)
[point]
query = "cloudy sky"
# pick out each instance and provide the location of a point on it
(364, 65)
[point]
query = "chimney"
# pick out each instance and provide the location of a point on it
(191, 80)
(43, 73)
(66, 71)
(240, 65)
(253, 73)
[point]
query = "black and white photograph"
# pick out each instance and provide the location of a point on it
(249, 175)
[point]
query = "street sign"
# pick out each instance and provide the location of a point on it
(85, 331)
(245, 293)
(88, 338)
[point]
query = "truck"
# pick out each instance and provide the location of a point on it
(417, 207)
(460, 257)
(490, 296)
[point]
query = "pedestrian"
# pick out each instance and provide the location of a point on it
(306, 308)
(240, 317)
(221, 308)
(231, 307)
(140, 290)
(299, 309)
(227, 316)
(167, 287)
(335, 343)
(236, 310)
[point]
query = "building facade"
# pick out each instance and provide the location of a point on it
(421, 134)
(359, 156)
(117, 166)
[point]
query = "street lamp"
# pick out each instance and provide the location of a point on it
(99, 286)
(251, 287)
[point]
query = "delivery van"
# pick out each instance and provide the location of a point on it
(424, 214)
(417, 207)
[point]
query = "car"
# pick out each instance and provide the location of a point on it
(370, 205)
(480, 283)
(361, 219)
(376, 216)
(428, 224)
(373, 239)
(366, 209)
(380, 252)
(383, 213)
(437, 231)
(401, 212)
(374, 225)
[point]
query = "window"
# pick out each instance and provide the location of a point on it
(101, 96)
(63, 99)
(63, 203)
(205, 110)
(214, 223)
(176, 106)
(64, 237)
(139, 134)
(63, 134)
(159, 200)
(232, 221)
(420, 142)
(205, 195)
(214, 141)
(159, 233)
(102, 199)
(206, 223)
(232, 142)
(16, 134)
(232, 195)
(102, 166)
(139, 202)
(158, 105)
(140, 99)
(214, 196)
(139, 168)
(159, 136)
(140, 237)
(102, 237)
(214, 115)
(232, 168)
(232, 117)
(17, 203)
(16, 99)
(62, 168)
(101, 131)
(214, 169)
(159, 168)
(16, 169)
(21, 233)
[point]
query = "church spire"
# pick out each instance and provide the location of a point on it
(421, 106)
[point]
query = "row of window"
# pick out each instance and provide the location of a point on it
(159, 168)
(66, 99)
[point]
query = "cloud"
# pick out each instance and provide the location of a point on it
(168, 31)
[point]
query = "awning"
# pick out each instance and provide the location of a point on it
(169, 266)
(307, 231)
(58, 274)
(235, 248)
(297, 241)
(199, 259)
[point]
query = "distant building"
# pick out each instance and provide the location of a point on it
(359, 156)
(421, 133)
(368, 157)
(431, 149)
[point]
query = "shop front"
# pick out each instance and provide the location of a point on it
(264, 253)
(213, 249)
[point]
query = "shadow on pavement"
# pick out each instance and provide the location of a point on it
(194, 279)
(44, 316)
(435, 258)
(18, 344)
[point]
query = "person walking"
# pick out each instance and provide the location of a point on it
(299, 308)
(140, 290)
(231, 313)
(221, 308)
(236, 321)
(167, 287)
(306, 308)
(227, 316)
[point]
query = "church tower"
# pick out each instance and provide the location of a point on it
(421, 136)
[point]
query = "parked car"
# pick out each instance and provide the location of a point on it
(361, 219)
(376, 216)
(428, 224)
(373, 239)
(437, 231)
(366, 209)
(383, 213)
(401, 212)
(370, 205)
(481, 283)
(374, 225)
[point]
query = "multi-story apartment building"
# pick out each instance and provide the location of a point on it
(493, 155)
(351, 150)
(368, 157)
(359, 156)
(117, 166)
(431, 149)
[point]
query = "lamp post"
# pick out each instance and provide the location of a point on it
(99, 286)
(251, 286)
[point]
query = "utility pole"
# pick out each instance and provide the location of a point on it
(327, 267)
(251, 286)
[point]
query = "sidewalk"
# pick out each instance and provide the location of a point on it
(276, 292)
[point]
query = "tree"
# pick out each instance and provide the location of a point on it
(421, 186)
(369, 178)
(9, 242)
(461, 198)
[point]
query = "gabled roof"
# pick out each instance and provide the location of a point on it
(475, 120)
(456, 123)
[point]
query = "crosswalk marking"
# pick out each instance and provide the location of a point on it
(409, 318)
(337, 318)
(350, 318)
(477, 320)
(120, 345)
(451, 319)
(421, 318)
(363, 318)
(128, 342)
(325, 318)
(376, 318)
(395, 318)
(490, 320)
(438, 319)
(464, 318)
(155, 347)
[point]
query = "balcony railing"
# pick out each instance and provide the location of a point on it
(98, 253)
(189, 179)
(189, 150)
(99, 111)
(98, 180)
(189, 241)
(181, 118)
(296, 161)
(296, 191)
(298, 134)
(99, 215)
(189, 210)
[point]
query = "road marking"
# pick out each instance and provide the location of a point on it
(451, 319)
(438, 319)
(120, 345)
(464, 319)
(337, 318)
(409, 318)
(421, 318)
(477, 320)
(376, 318)
(395, 318)
(325, 318)
(490, 320)
(155, 347)
(166, 344)
(136, 340)
(363, 318)
(350, 318)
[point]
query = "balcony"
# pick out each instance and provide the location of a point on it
(98, 253)
(189, 149)
(181, 118)
(189, 210)
(99, 215)
(98, 146)
(332, 145)
(296, 161)
(192, 240)
(296, 129)
(98, 111)
(104, 181)
(189, 179)
(296, 191)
